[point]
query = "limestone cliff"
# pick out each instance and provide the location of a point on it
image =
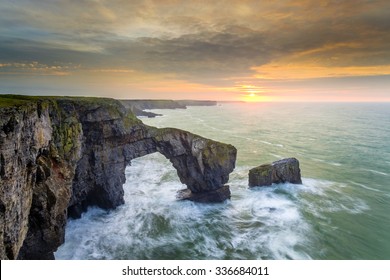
(60, 155)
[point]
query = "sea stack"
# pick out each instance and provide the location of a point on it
(281, 171)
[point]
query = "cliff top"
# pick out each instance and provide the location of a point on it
(88, 105)
(9, 100)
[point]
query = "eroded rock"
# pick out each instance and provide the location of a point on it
(281, 171)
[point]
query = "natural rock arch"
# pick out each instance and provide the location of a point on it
(202, 164)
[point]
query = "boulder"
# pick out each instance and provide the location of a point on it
(281, 171)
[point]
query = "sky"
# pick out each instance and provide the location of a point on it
(216, 50)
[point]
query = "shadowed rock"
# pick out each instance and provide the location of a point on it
(218, 195)
(281, 171)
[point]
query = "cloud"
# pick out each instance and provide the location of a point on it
(198, 54)
(215, 43)
(36, 68)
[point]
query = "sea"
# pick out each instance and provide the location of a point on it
(341, 211)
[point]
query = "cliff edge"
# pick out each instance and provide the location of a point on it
(59, 155)
(138, 106)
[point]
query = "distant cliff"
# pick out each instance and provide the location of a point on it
(59, 155)
(138, 106)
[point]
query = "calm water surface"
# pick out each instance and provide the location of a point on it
(341, 211)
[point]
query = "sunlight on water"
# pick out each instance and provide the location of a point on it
(339, 212)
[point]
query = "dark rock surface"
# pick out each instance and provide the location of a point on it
(218, 195)
(281, 171)
(60, 155)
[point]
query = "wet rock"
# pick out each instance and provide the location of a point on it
(281, 171)
(218, 195)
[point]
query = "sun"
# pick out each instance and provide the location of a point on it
(253, 97)
(251, 93)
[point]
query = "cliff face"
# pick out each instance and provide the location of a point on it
(39, 149)
(60, 155)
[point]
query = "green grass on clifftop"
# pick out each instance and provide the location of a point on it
(12, 99)
(9, 101)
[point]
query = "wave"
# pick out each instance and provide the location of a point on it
(376, 172)
(277, 156)
(330, 197)
(328, 211)
(365, 187)
(327, 162)
(258, 223)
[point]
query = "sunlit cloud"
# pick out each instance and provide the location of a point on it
(307, 71)
(113, 70)
(250, 89)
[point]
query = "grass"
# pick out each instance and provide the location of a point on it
(9, 100)
(113, 106)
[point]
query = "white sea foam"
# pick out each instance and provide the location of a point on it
(258, 223)
(331, 197)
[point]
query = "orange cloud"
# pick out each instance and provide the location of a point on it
(294, 71)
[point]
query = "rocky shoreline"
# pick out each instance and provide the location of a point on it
(60, 155)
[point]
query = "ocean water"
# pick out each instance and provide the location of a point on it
(340, 211)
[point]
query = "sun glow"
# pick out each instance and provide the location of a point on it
(252, 93)
(252, 97)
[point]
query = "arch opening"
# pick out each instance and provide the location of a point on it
(152, 175)
(149, 225)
